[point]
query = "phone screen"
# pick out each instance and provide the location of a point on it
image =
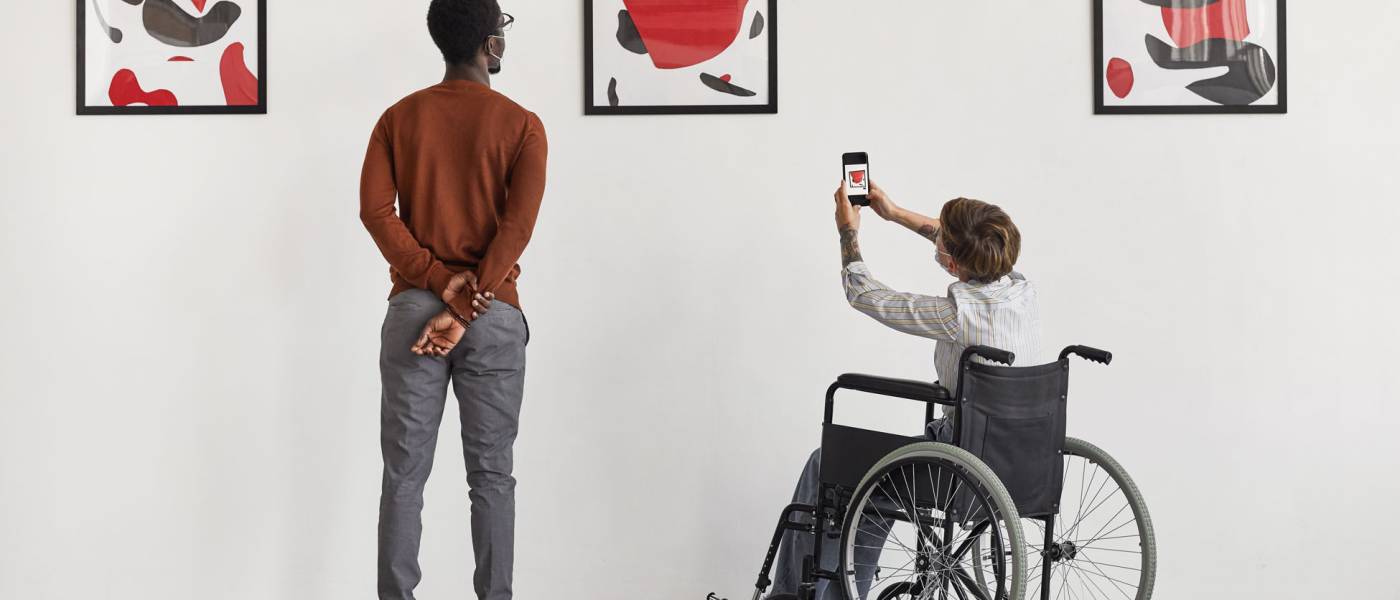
(857, 179)
(856, 166)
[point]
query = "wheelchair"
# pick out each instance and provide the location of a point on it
(1010, 509)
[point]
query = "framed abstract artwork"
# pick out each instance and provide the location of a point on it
(680, 57)
(172, 57)
(1190, 56)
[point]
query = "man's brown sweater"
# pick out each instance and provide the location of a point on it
(467, 166)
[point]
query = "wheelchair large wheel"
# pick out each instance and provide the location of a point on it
(917, 519)
(1103, 544)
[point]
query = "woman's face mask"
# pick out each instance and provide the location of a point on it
(944, 259)
(944, 262)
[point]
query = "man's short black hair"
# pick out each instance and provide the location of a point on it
(461, 27)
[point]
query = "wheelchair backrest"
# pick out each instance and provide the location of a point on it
(1013, 418)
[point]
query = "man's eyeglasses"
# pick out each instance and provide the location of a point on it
(507, 22)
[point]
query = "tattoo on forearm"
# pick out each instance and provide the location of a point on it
(929, 231)
(850, 247)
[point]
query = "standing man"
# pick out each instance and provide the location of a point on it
(467, 166)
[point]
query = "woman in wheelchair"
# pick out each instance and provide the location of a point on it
(942, 516)
(990, 304)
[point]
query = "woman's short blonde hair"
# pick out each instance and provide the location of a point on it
(980, 237)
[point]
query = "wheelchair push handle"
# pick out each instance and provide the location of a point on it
(995, 355)
(1087, 353)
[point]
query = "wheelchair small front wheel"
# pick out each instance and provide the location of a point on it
(899, 591)
(916, 521)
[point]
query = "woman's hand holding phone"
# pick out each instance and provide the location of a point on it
(881, 203)
(847, 214)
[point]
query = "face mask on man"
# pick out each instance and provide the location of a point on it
(496, 44)
(493, 66)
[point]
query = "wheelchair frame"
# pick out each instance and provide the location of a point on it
(834, 499)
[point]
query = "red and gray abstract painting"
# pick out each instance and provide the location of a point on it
(1190, 52)
(171, 53)
(680, 52)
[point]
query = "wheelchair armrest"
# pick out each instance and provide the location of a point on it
(899, 388)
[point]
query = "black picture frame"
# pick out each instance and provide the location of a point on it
(1281, 62)
(591, 109)
(81, 88)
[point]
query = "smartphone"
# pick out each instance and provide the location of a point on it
(855, 170)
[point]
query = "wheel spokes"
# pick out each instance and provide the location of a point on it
(1099, 551)
(904, 552)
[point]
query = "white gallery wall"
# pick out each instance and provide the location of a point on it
(189, 324)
